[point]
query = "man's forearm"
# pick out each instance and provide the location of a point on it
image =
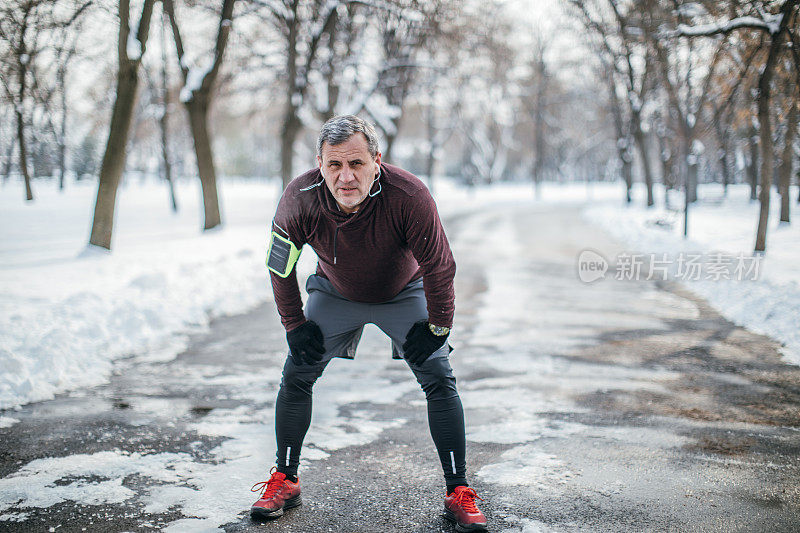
(286, 292)
(440, 297)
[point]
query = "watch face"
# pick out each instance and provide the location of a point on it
(439, 330)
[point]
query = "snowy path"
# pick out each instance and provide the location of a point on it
(615, 406)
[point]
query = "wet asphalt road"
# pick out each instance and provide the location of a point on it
(615, 406)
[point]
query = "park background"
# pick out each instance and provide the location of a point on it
(141, 161)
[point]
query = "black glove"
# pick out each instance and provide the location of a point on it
(421, 343)
(306, 343)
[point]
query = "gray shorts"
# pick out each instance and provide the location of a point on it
(342, 321)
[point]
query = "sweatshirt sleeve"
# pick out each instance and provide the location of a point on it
(428, 243)
(286, 291)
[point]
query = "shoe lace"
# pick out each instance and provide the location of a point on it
(270, 486)
(466, 499)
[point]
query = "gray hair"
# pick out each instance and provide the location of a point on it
(338, 129)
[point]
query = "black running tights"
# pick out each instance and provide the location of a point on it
(445, 414)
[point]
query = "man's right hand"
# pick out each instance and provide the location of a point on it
(306, 343)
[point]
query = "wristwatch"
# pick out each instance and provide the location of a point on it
(439, 331)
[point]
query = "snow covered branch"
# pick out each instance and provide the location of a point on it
(769, 23)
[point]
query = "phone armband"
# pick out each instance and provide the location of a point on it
(281, 255)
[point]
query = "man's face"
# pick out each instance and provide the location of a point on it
(349, 171)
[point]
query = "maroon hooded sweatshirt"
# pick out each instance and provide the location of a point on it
(394, 238)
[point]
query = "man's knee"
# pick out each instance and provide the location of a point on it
(436, 378)
(298, 381)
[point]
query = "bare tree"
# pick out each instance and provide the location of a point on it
(22, 21)
(130, 48)
(536, 106)
(636, 88)
(404, 28)
(342, 48)
(303, 24)
(620, 35)
(486, 115)
(621, 127)
(686, 98)
(65, 53)
(434, 93)
(163, 120)
(28, 27)
(197, 95)
(780, 28)
(789, 13)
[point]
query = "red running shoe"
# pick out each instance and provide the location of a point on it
(279, 494)
(459, 507)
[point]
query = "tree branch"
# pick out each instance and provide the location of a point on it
(769, 24)
(225, 22)
(169, 7)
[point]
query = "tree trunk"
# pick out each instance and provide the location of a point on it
(164, 120)
(430, 124)
(752, 169)
(688, 159)
(121, 117)
(388, 144)
(666, 156)
(724, 137)
(20, 100)
(785, 176)
(726, 171)
(291, 128)
(62, 139)
(291, 123)
(623, 142)
(722, 132)
(765, 124)
(538, 157)
(627, 173)
(115, 155)
(691, 175)
(9, 156)
(766, 163)
(198, 120)
(23, 155)
(165, 159)
(197, 105)
(539, 118)
(641, 143)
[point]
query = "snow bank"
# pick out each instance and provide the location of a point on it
(66, 315)
(770, 304)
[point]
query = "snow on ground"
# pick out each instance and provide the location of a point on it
(66, 314)
(7, 421)
(212, 491)
(767, 302)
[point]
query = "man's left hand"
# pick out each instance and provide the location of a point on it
(421, 343)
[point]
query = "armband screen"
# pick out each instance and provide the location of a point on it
(282, 255)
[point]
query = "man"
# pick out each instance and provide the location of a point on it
(383, 259)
